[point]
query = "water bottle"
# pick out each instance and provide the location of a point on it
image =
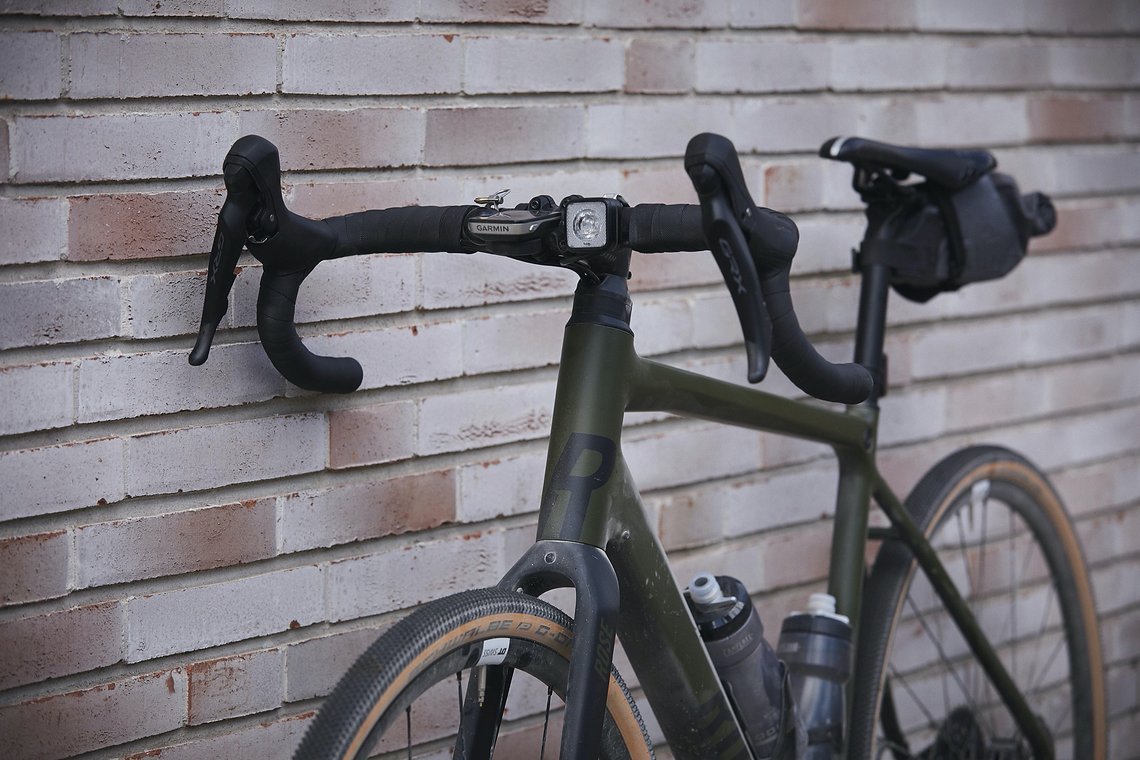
(816, 647)
(752, 675)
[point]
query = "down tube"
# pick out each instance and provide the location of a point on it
(662, 642)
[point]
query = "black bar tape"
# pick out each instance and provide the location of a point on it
(797, 357)
(401, 230)
(276, 304)
(658, 227)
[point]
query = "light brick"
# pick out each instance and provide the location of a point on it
(662, 326)
(372, 65)
(1111, 16)
(63, 725)
(53, 479)
(513, 341)
(35, 229)
(37, 397)
(859, 14)
(751, 15)
(981, 120)
(267, 739)
(644, 130)
(183, 620)
(122, 226)
(664, 65)
(5, 169)
(314, 666)
(400, 355)
(142, 65)
(500, 487)
(688, 455)
(228, 687)
(493, 67)
(162, 305)
(515, 134)
(35, 567)
(356, 286)
(1099, 63)
(108, 384)
(324, 10)
(59, 311)
(237, 452)
(776, 125)
(1077, 116)
(986, 64)
(172, 8)
(70, 8)
(883, 64)
(1073, 333)
(30, 66)
(361, 137)
(762, 66)
(914, 414)
(683, 14)
(973, 15)
(453, 281)
(475, 419)
(176, 542)
(411, 574)
(806, 185)
(73, 148)
(359, 512)
(1076, 440)
(720, 511)
(60, 643)
(371, 434)
(343, 197)
(504, 11)
(1112, 483)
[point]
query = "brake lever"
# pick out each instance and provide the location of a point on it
(726, 206)
(242, 198)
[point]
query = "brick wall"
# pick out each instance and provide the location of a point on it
(189, 557)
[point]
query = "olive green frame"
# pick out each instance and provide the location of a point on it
(602, 377)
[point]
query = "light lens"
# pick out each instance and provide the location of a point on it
(586, 224)
(587, 228)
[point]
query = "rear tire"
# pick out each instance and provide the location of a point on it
(1004, 536)
(374, 707)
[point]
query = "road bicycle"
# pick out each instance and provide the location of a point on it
(991, 651)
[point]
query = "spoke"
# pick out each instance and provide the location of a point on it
(931, 721)
(408, 715)
(942, 654)
(459, 689)
(1041, 631)
(1052, 656)
(546, 722)
(1015, 584)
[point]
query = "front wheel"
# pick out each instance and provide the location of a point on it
(1005, 540)
(422, 688)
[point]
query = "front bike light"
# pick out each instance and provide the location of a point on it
(590, 224)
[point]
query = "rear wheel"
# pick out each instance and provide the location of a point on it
(1003, 536)
(418, 690)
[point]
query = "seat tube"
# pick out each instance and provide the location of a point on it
(589, 406)
(871, 328)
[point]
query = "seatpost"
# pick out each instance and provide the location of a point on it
(871, 327)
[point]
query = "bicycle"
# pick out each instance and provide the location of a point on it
(458, 659)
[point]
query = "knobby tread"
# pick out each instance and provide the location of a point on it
(388, 658)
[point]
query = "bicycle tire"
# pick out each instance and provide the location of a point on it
(944, 505)
(446, 637)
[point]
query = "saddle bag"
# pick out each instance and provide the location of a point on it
(936, 240)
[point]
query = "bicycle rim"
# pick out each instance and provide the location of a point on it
(1004, 538)
(416, 692)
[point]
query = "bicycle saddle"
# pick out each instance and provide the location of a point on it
(952, 169)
